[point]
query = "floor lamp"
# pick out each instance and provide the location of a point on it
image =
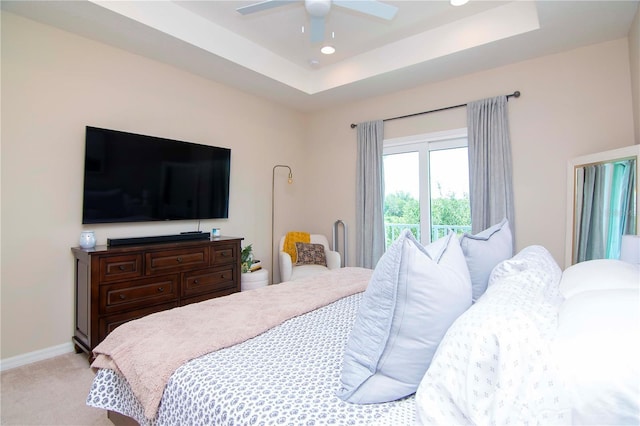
(273, 181)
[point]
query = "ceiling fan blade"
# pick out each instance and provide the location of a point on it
(317, 29)
(370, 7)
(263, 5)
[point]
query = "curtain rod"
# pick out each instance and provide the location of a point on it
(515, 94)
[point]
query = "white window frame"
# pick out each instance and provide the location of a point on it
(424, 144)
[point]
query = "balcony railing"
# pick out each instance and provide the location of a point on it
(393, 230)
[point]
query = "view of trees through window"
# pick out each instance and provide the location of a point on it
(400, 208)
(426, 191)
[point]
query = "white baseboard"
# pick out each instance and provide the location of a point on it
(35, 356)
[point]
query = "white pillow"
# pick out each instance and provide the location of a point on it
(413, 297)
(534, 266)
(597, 349)
(600, 274)
(484, 251)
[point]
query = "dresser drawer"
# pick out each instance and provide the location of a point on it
(138, 293)
(223, 253)
(115, 268)
(176, 260)
(108, 323)
(208, 281)
(206, 296)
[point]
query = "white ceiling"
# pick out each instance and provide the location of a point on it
(267, 54)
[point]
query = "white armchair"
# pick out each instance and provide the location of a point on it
(289, 271)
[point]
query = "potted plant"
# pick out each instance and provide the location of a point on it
(253, 276)
(246, 258)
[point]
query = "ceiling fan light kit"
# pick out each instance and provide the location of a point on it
(318, 8)
(328, 50)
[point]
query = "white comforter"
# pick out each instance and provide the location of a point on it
(523, 354)
(495, 364)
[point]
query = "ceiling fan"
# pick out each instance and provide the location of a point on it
(318, 9)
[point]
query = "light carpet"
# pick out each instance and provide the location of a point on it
(50, 392)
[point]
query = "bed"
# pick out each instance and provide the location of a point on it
(403, 344)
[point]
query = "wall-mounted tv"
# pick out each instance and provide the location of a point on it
(136, 178)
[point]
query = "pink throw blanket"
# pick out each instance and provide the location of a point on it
(147, 351)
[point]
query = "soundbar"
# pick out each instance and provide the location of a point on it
(158, 239)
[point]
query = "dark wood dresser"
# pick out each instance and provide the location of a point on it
(114, 285)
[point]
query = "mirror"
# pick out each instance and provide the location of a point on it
(602, 202)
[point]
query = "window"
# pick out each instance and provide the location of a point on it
(426, 185)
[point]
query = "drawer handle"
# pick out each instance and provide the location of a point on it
(122, 296)
(195, 281)
(222, 276)
(121, 267)
(179, 260)
(224, 254)
(160, 289)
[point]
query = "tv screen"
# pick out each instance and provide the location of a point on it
(136, 178)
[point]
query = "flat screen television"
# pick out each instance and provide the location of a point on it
(136, 178)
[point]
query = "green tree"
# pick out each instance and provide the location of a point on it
(401, 207)
(446, 209)
(450, 210)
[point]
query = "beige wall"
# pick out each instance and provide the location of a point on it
(634, 60)
(55, 83)
(572, 104)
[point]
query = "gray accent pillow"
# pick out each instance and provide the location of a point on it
(414, 295)
(484, 251)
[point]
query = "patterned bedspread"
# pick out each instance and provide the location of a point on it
(286, 376)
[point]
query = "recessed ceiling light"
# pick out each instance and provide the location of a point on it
(458, 2)
(328, 50)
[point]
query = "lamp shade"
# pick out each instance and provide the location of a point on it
(630, 249)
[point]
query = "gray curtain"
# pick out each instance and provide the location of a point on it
(490, 166)
(592, 242)
(370, 194)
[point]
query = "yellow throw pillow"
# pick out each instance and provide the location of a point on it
(290, 241)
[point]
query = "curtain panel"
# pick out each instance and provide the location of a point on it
(606, 209)
(490, 164)
(370, 194)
